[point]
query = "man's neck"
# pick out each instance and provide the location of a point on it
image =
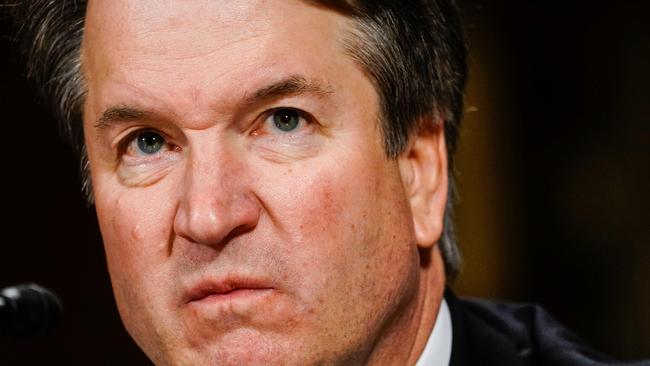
(437, 352)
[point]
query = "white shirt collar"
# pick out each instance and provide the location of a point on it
(437, 352)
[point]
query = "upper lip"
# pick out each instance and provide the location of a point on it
(208, 287)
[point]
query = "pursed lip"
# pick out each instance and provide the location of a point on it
(225, 288)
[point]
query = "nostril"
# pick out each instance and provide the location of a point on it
(239, 230)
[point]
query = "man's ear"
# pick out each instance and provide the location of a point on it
(423, 166)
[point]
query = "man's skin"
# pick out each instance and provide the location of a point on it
(263, 224)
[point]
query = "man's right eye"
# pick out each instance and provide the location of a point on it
(149, 143)
(144, 155)
(143, 145)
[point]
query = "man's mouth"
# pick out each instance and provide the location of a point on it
(229, 289)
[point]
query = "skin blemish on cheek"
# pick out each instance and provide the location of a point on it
(136, 233)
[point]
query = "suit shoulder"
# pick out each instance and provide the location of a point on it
(527, 334)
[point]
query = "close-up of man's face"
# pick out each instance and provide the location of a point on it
(249, 211)
(320, 182)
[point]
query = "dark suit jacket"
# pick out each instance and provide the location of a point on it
(487, 333)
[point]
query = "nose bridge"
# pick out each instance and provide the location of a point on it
(216, 199)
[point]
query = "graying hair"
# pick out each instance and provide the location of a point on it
(414, 52)
(51, 32)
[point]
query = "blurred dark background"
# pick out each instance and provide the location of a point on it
(553, 177)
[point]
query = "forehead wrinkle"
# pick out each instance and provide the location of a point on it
(173, 36)
(186, 51)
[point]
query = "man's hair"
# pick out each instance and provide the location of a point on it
(414, 51)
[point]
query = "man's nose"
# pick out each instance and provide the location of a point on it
(217, 201)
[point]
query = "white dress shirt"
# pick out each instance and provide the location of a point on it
(437, 352)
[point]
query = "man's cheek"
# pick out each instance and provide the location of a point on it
(134, 229)
(310, 212)
(328, 231)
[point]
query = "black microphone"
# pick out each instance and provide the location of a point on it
(28, 310)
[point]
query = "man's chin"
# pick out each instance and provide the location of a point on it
(241, 346)
(249, 328)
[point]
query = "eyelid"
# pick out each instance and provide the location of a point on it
(301, 113)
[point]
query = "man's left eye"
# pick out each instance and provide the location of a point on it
(286, 119)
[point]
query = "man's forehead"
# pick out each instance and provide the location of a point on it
(145, 18)
(153, 36)
(152, 24)
(236, 46)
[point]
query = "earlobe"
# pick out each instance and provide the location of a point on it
(423, 166)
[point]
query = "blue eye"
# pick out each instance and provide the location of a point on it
(150, 142)
(286, 120)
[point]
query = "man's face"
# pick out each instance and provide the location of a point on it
(248, 211)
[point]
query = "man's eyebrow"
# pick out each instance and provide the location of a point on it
(291, 85)
(119, 114)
